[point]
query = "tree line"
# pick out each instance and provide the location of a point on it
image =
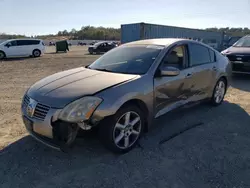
(102, 33)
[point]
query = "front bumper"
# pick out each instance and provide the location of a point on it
(50, 130)
(241, 67)
(92, 50)
(42, 130)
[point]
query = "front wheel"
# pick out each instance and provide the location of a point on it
(121, 132)
(219, 92)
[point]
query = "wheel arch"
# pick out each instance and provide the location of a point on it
(224, 78)
(36, 49)
(3, 53)
(142, 106)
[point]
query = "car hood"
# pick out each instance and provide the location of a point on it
(238, 50)
(64, 87)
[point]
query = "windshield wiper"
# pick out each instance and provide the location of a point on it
(105, 70)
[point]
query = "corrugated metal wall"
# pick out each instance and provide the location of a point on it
(130, 32)
(133, 32)
(159, 31)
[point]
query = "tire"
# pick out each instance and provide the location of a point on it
(36, 53)
(91, 51)
(2, 55)
(122, 137)
(219, 92)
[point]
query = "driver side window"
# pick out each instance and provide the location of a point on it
(175, 58)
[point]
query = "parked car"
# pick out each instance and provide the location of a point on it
(228, 43)
(123, 91)
(92, 43)
(21, 47)
(101, 47)
(239, 55)
(52, 43)
(82, 43)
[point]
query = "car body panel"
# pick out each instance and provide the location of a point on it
(117, 96)
(62, 88)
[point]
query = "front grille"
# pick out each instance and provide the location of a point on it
(40, 111)
(243, 57)
(26, 101)
(240, 68)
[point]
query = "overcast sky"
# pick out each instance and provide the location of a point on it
(32, 17)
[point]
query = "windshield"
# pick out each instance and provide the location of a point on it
(128, 59)
(243, 42)
(3, 42)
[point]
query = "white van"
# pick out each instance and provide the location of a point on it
(21, 48)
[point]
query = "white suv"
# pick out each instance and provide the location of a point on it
(21, 47)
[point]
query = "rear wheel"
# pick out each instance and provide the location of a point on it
(219, 92)
(2, 55)
(121, 132)
(36, 53)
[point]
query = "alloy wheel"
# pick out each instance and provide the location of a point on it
(219, 91)
(127, 130)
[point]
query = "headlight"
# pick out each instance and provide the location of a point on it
(80, 110)
(225, 52)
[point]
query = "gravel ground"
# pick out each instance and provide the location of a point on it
(212, 152)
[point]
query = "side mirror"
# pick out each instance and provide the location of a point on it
(7, 45)
(170, 71)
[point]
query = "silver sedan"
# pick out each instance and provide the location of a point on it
(123, 91)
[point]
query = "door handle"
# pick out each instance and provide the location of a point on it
(188, 75)
(214, 68)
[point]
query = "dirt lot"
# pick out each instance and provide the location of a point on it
(215, 153)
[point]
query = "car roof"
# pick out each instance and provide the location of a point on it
(161, 41)
(24, 39)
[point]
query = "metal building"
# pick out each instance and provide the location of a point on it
(139, 31)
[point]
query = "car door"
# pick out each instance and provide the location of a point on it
(202, 68)
(105, 47)
(24, 47)
(171, 92)
(100, 48)
(11, 49)
(110, 46)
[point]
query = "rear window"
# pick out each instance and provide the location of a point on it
(198, 54)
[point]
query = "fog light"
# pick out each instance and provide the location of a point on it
(84, 126)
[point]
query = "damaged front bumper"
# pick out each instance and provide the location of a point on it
(50, 131)
(42, 122)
